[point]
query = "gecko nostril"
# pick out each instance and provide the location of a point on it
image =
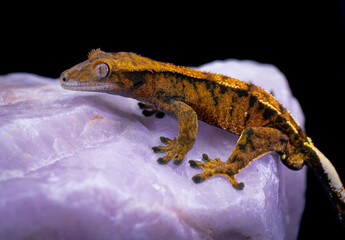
(64, 79)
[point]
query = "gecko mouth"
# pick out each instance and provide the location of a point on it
(77, 86)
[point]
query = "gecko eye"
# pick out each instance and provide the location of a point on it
(101, 70)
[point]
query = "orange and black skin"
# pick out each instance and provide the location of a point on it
(190, 95)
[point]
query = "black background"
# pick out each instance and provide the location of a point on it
(304, 39)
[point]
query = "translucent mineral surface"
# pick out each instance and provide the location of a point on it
(78, 165)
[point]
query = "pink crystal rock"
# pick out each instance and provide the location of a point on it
(78, 165)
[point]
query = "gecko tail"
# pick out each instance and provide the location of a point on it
(330, 179)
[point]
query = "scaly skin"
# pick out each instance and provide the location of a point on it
(263, 124)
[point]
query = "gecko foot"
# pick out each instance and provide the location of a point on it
(213, 168)
(174, 149)
(153, 110)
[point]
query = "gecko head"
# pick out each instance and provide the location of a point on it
(97, 74)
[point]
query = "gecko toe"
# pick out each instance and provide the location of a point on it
(239, 186)
(162, 161)
(148, 113)
(205, 158)
(158, 149)
(194, 164)
(160, 115)
(149, 110)
(198, 179)
(177, 161)
(143, 105)
(165, 140)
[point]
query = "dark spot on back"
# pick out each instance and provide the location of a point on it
(223, 89)
(252, 101)
(279, 119)
(215, 99)
(268, 113)
(260, 106)
(208, 85)
(241, 92)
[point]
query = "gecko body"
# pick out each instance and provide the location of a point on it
(190, 95)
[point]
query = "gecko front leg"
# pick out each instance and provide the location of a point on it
(178, 147)
(253, 143)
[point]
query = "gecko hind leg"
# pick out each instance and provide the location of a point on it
(253, 143)
(153, 110)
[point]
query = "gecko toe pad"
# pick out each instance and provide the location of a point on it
(239, 186)
(162, 161)
(165, 140)
(158, 149)
(194, 164)
(153, 110)
(197, 179)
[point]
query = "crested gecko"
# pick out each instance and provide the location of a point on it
(239, 107)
